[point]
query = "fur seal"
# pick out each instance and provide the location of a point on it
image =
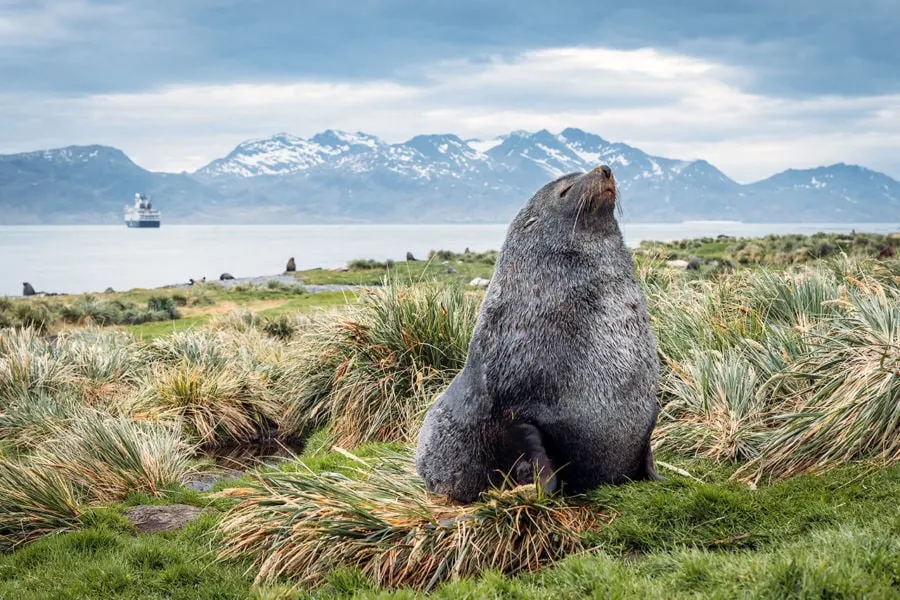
(291, 265)
(28, 289)
(562, 370)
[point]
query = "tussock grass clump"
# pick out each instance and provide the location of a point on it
(29, 421)
(110, 457)
(196, 348)
(379, 519)
(846, 391)
(792, 371)
(371, 372)
(29, 365)
(105, 363)
(216, 383)
(213, 403)
(34, 501)
(715, 408)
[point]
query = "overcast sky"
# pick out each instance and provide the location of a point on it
(753, 87)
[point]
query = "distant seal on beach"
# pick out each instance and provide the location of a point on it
(226, 276)
(27, 289)
(562, 369)
(291, 265)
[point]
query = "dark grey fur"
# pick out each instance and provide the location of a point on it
(562, 369)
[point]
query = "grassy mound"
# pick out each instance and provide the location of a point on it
(379, 518)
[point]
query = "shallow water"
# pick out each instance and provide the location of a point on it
(77, 259)
(244, 457)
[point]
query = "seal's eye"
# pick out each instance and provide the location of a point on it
(565, 190)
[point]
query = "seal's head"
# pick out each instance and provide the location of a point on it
(577, 201)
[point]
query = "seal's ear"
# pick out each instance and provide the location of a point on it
(529, 223)
(565, 190)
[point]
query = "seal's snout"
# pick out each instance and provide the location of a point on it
(602, 186)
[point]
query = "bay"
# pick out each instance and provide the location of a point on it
(79, 259)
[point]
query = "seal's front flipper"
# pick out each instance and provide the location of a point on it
(650, 472)
(531, 457)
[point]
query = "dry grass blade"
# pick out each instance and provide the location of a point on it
(380, 519)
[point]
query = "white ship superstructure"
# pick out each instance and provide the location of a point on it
(142, 213)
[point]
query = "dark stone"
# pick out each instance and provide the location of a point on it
(693, 264)
(27, 290)
(109, 290)
(225, 276)
(410, 257)
(156, 519)
(291, 265)
(451, 270)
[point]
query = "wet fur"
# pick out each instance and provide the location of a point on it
(562, 370)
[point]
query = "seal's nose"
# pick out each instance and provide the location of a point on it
(605, 170)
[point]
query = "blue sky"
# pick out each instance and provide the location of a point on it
(753, 87)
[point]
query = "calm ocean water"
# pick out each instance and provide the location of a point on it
(76, 259)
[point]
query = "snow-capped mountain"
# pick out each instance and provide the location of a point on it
(339, 176)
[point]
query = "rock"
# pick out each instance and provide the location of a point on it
(109, 290)
(677, 264)
(480, 282)
(27, 290)
(451, 270)
(155, 519)
(410, 257)
(291, 266)
(693, 264)
(225, 276)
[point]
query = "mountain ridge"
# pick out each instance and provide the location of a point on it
(339, 176)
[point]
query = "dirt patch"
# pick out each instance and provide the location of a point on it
(221, 308)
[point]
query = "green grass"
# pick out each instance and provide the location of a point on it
(312, 302)
(403, 272)
(776, 250)
(808, 537)
(292, 303)
(159, 328)
(107, 560)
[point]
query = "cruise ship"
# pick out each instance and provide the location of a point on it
(142, 213)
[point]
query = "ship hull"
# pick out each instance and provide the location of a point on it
(143, 224)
